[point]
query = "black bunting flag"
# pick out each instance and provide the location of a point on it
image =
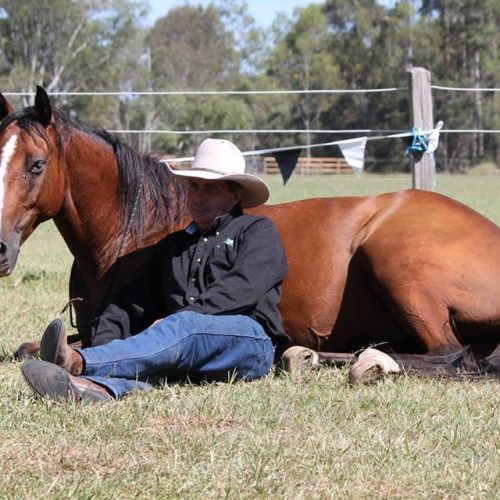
(287, 161)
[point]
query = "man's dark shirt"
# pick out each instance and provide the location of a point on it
(235, 268)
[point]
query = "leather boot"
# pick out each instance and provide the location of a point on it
(54, 382)
(54, 348)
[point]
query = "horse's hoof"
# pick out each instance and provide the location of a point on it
(370, 366)
(27, 350)
(295, 358)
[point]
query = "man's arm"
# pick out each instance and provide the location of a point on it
(132, 307)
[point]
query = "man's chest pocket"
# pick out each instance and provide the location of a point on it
(221, 259)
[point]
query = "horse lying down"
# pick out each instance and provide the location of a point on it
(414, 271)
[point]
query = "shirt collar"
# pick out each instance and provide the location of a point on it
(219, 222)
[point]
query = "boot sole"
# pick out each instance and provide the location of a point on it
(53, 382)
(50, 341)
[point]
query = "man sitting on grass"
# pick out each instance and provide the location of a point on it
(219, 283)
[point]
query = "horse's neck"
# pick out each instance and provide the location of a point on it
(85, 220)
(89, 218)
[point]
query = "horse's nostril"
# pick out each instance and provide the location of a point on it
(3, 248)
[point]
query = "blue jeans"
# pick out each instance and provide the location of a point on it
(215, 347)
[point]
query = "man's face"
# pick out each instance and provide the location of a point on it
(209, 199)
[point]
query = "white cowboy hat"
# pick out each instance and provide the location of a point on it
(220, 159)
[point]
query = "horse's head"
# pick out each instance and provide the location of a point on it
(31, 180)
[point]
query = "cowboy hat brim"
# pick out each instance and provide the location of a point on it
(255, 190)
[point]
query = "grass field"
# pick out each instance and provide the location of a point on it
(305, 436)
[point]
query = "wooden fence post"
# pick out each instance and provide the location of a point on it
(422, 117)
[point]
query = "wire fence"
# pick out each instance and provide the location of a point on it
(139, 93)
(386, 133)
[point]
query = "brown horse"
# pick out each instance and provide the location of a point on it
(414, 269)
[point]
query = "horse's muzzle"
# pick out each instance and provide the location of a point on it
(8, 257)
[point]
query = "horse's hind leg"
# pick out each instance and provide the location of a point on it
(425, 316)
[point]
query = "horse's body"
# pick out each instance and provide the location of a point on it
(414, 269)
(403, 266)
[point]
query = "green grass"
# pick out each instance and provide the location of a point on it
(307, 435)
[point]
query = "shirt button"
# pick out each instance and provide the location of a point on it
(217, 233)
(205, 239)
(193, 279)
(198, 259)
(191, 299)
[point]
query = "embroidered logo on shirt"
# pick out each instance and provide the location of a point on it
(229, 242)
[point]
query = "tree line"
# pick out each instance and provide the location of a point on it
(106, 45)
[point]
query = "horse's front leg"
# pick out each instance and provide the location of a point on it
(27, 350)
(32, 349)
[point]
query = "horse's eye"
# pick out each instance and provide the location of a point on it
(37, 167)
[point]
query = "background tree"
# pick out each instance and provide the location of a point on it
(66, 45)
(371, 44)
(193, 48)
(469, 47)
(301, 60)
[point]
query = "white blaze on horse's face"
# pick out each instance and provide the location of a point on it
(5, 157)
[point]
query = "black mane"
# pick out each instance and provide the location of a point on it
(148, 190)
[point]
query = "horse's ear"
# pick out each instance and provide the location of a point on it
(5, 107)
(42, 107)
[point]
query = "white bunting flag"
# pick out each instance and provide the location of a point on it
(433, 138)
(354, 153)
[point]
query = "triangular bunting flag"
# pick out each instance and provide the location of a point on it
(287, 161)
(434, 138)
(354, 153)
